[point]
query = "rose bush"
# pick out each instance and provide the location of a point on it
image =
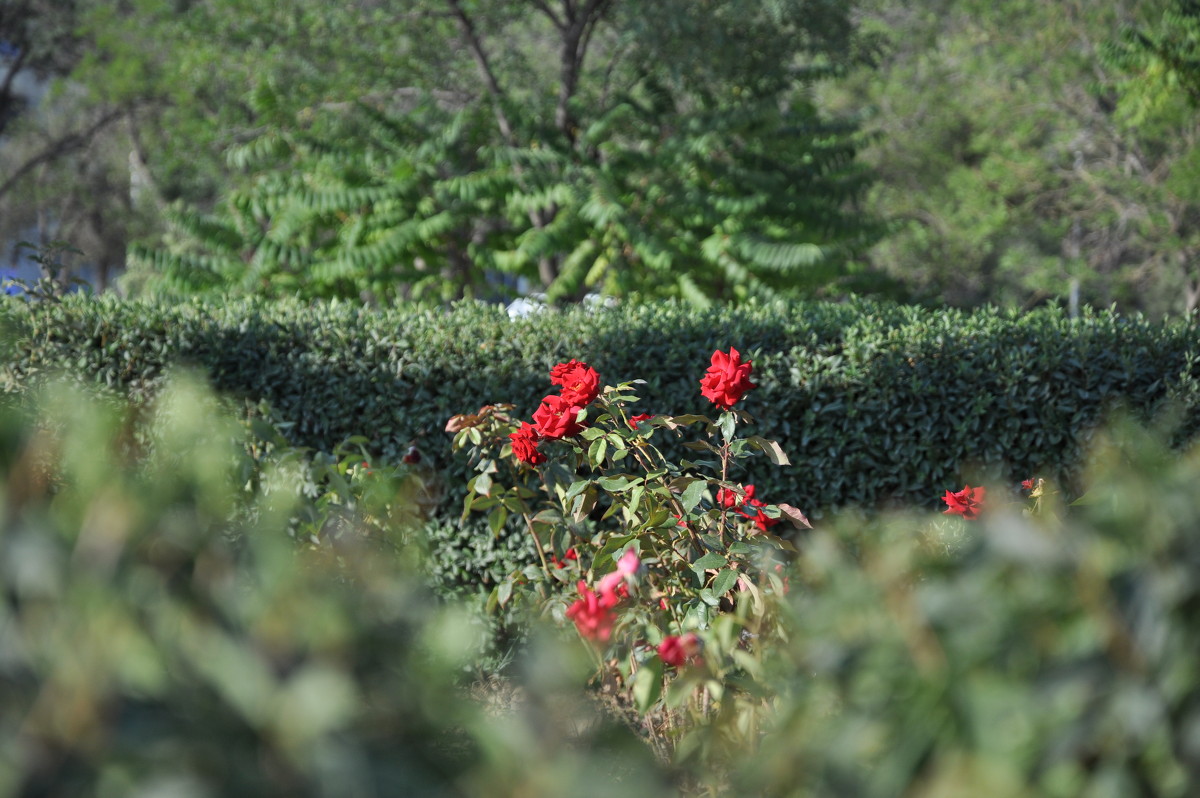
(651, 561)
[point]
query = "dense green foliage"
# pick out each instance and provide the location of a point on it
(158, 638)
(877, 403)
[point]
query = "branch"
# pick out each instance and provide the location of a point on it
(576, 38)
(6, 87)
(64, 145)
(549, 12)
(13, 69)
(485, 70)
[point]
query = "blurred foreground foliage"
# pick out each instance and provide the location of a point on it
(168, 627)
(1045, 653)
(186, 614)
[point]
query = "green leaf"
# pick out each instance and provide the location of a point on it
(693, 494)
(727, 423)
(576, 488)
(648, 683)
(597, 451)
(584, 504)
(613, 544)
(616, 484)
(635, 497)
(696, 616)
(504, 591)
(724, 581)
(496, 520)
(710, 560)
(685, 420)
(770, 448)
(659, 517)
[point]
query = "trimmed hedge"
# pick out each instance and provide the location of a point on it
(876, 404)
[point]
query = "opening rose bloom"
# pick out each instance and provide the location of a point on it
(580, 383)
(640, 417)
(556, 418)
(525, 445)
(678, 650)
(966, 502)
(727, 379)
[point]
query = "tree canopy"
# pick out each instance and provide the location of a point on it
(961, 152)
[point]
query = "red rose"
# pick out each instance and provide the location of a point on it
(560, 371)
(525, 445)
(732, 498)
(764, 521)
(678, 650)
(966, 502)
(580, 383)
(635, 420)
(747, 506)
(726, 379)
(568, 555)
(556, 418)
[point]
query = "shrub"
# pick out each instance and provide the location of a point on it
(880, 405)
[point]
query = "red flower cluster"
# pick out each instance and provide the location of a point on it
(967, 502)
(739, 501)
(678, 650)
(592, 613)
(558, 414)
(727, 379)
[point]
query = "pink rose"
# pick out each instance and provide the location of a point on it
(612, 586)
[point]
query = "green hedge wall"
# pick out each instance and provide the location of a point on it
(875, 403)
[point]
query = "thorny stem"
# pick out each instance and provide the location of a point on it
(537, 544)
(724, 478)
(674, 502)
